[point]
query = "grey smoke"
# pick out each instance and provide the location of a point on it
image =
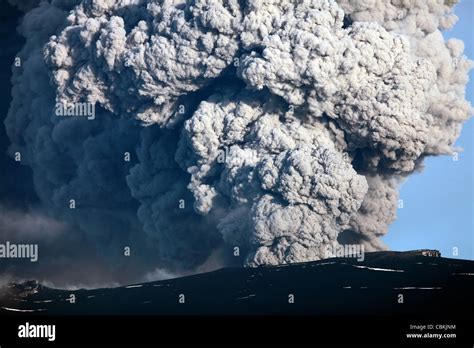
(279, 127)
(24, 5)
(18, 225)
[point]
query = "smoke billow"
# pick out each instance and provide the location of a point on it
(280, 127)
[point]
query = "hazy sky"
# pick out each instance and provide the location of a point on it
(438, 203)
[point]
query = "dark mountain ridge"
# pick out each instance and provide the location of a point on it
(384, 283)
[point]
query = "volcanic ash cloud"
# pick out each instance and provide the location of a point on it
(285, 126)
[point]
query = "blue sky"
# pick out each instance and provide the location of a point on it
(438, 208)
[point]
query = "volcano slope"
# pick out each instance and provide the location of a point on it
(385, 283)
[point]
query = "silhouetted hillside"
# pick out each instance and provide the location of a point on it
(338, 286)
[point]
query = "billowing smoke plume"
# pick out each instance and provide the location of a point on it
(279, 127)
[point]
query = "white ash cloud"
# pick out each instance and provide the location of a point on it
(284, 126)
(422, 22)
(138, 57)
(286, 189)
(363, 77)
